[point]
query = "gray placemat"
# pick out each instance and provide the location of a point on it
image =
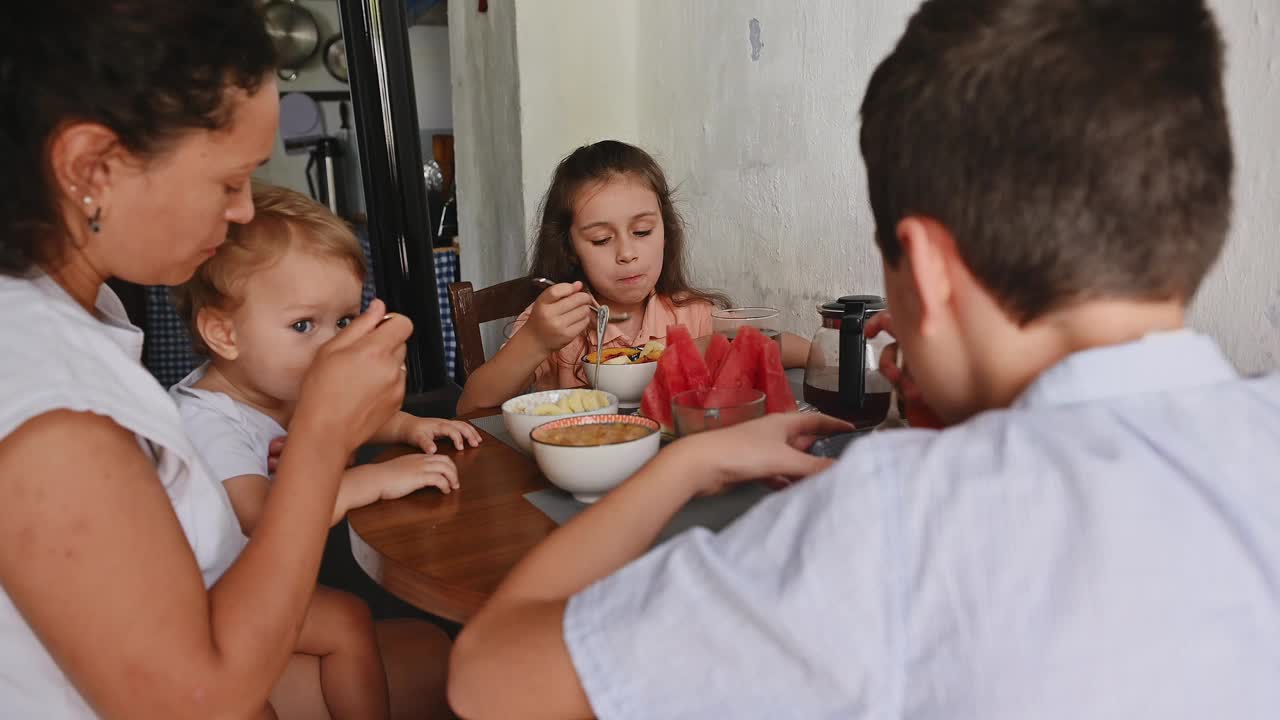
(712, 513)
(494, 425)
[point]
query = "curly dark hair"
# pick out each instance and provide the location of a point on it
(146, 69)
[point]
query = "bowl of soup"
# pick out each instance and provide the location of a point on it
(589, 456)
(624, 371)
(524, 413)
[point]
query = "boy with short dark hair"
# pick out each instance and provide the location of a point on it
(1096, 534)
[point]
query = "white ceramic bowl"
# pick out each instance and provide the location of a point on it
(517, 413)
(626, 381)
(591, 471)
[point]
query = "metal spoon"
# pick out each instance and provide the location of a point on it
(620, 317)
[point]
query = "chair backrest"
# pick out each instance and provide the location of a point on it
(471, 308)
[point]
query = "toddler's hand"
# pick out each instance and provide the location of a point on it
(422, 432)
(400, 476)
(560, 314)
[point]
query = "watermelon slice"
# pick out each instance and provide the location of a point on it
(750, 361)
(717, 351)
(680, 368)
(755, 362)
(773, 380)
(696, 374)
(656, 401)
(737, 370)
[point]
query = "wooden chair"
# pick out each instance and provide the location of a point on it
(471, 308)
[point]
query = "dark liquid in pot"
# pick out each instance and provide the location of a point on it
(875, 406)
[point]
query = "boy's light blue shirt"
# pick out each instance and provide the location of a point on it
(1108, 547)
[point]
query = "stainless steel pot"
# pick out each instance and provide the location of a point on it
(293, 31)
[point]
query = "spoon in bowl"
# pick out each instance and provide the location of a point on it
(620, 317)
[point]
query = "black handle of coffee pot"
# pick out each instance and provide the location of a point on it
(853, 351)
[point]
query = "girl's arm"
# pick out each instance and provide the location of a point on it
(795, 351)
(560, 314)
(505, 375)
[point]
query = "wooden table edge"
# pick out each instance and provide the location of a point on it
(387, 573)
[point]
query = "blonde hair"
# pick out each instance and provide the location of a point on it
(282, 219)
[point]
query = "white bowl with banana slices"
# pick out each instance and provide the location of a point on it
(524, 413)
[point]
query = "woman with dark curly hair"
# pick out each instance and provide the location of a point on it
(128, 132)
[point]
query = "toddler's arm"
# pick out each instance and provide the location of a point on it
(393, 479)
(248, 495)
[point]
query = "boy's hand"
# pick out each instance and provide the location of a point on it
(918, 412)
(422, 433)
(774, 446)
(400, 476)
(561, 313)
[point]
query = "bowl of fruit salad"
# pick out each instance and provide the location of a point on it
(524, 413)
(625, 372)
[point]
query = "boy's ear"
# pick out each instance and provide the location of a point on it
(930, 249)
(218, 332)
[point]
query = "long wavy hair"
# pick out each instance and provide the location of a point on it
(553, 253)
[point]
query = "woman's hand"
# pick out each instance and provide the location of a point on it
(561, 313)
(357, 379)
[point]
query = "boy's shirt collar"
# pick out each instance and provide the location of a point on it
(1159, 362)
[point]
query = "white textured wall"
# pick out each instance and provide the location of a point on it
(429, 56)
(764, 148)
(1240, 301)
(578, 81)
(487, 142)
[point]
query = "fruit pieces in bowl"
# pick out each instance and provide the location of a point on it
(570, 402)
(647, 353)
(625, 372)
(520, 414)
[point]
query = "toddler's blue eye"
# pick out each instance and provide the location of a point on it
(303, 326)
(342, 323)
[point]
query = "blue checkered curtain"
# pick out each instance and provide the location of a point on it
(446, 260)
(167, 353)
(169, 356)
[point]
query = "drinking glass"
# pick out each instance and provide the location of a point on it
(695, 411)
(765, 319)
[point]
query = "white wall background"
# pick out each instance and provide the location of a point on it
(429, 56)
(578, 78)
(1240, 302)
(764, 148)
(487, 142)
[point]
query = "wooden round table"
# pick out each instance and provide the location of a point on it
(445, 554)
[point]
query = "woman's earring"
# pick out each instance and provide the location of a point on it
(95, 222)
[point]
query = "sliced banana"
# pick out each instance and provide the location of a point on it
(547, 409)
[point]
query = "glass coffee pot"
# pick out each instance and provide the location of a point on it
(842, 377)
